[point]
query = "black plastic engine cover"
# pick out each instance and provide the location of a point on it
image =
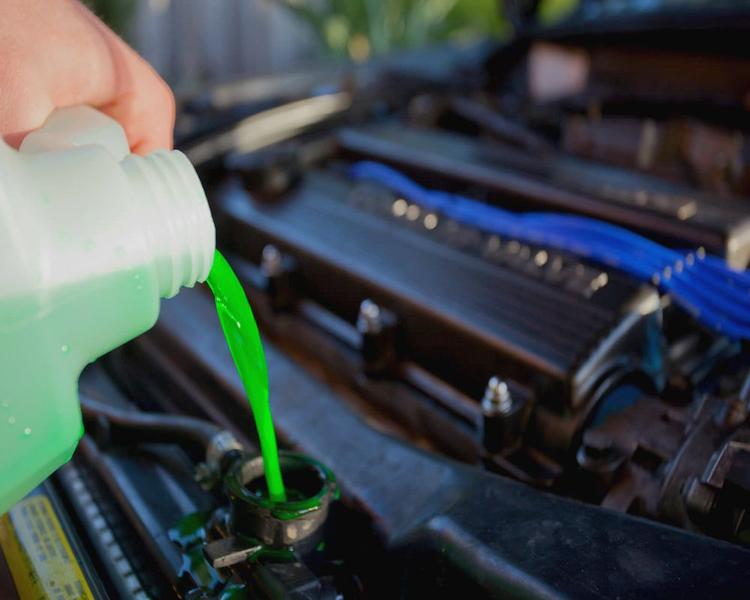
(469, 305)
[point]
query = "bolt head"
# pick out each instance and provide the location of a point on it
(699, 497)
(271, 261)
(497, 398)
(370, 319)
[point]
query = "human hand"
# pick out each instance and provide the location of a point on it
(56, 53)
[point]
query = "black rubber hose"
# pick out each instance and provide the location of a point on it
(131, 427)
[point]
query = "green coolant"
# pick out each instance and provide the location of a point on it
(45, 340)
(244, 343)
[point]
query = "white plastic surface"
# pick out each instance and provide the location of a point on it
(78, 126)
(91, 238)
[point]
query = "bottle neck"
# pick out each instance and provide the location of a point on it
(177, 220)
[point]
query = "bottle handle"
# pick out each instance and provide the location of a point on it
(78, 126)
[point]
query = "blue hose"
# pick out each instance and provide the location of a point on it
(704, 286)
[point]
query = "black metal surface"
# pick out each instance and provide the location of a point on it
(447, 301)
(681, 20)
(153, 494)
(476, 531)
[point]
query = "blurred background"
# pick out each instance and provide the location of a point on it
(195, 42)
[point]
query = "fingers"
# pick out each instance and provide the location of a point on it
(24, 102)
(138, 98)
(56, 53)
(145, 107)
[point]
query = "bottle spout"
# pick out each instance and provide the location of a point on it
(176, 217)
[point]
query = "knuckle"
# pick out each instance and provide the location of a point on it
(166, 97)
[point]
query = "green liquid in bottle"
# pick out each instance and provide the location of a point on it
(243, 339)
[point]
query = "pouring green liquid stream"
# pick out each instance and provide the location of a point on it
(243, 339)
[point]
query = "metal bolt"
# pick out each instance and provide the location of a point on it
(370, 319)
(497, 398)
(699, 498)
(228, 551)
(221, 444)
(271, 261)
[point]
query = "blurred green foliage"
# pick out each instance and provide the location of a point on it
(115, 13)
(361, 28)
(551, 11)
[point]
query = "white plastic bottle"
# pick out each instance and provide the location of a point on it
(91, 237)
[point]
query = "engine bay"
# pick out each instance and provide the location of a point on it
(476, 372)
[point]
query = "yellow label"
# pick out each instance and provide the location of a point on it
(38, 553)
